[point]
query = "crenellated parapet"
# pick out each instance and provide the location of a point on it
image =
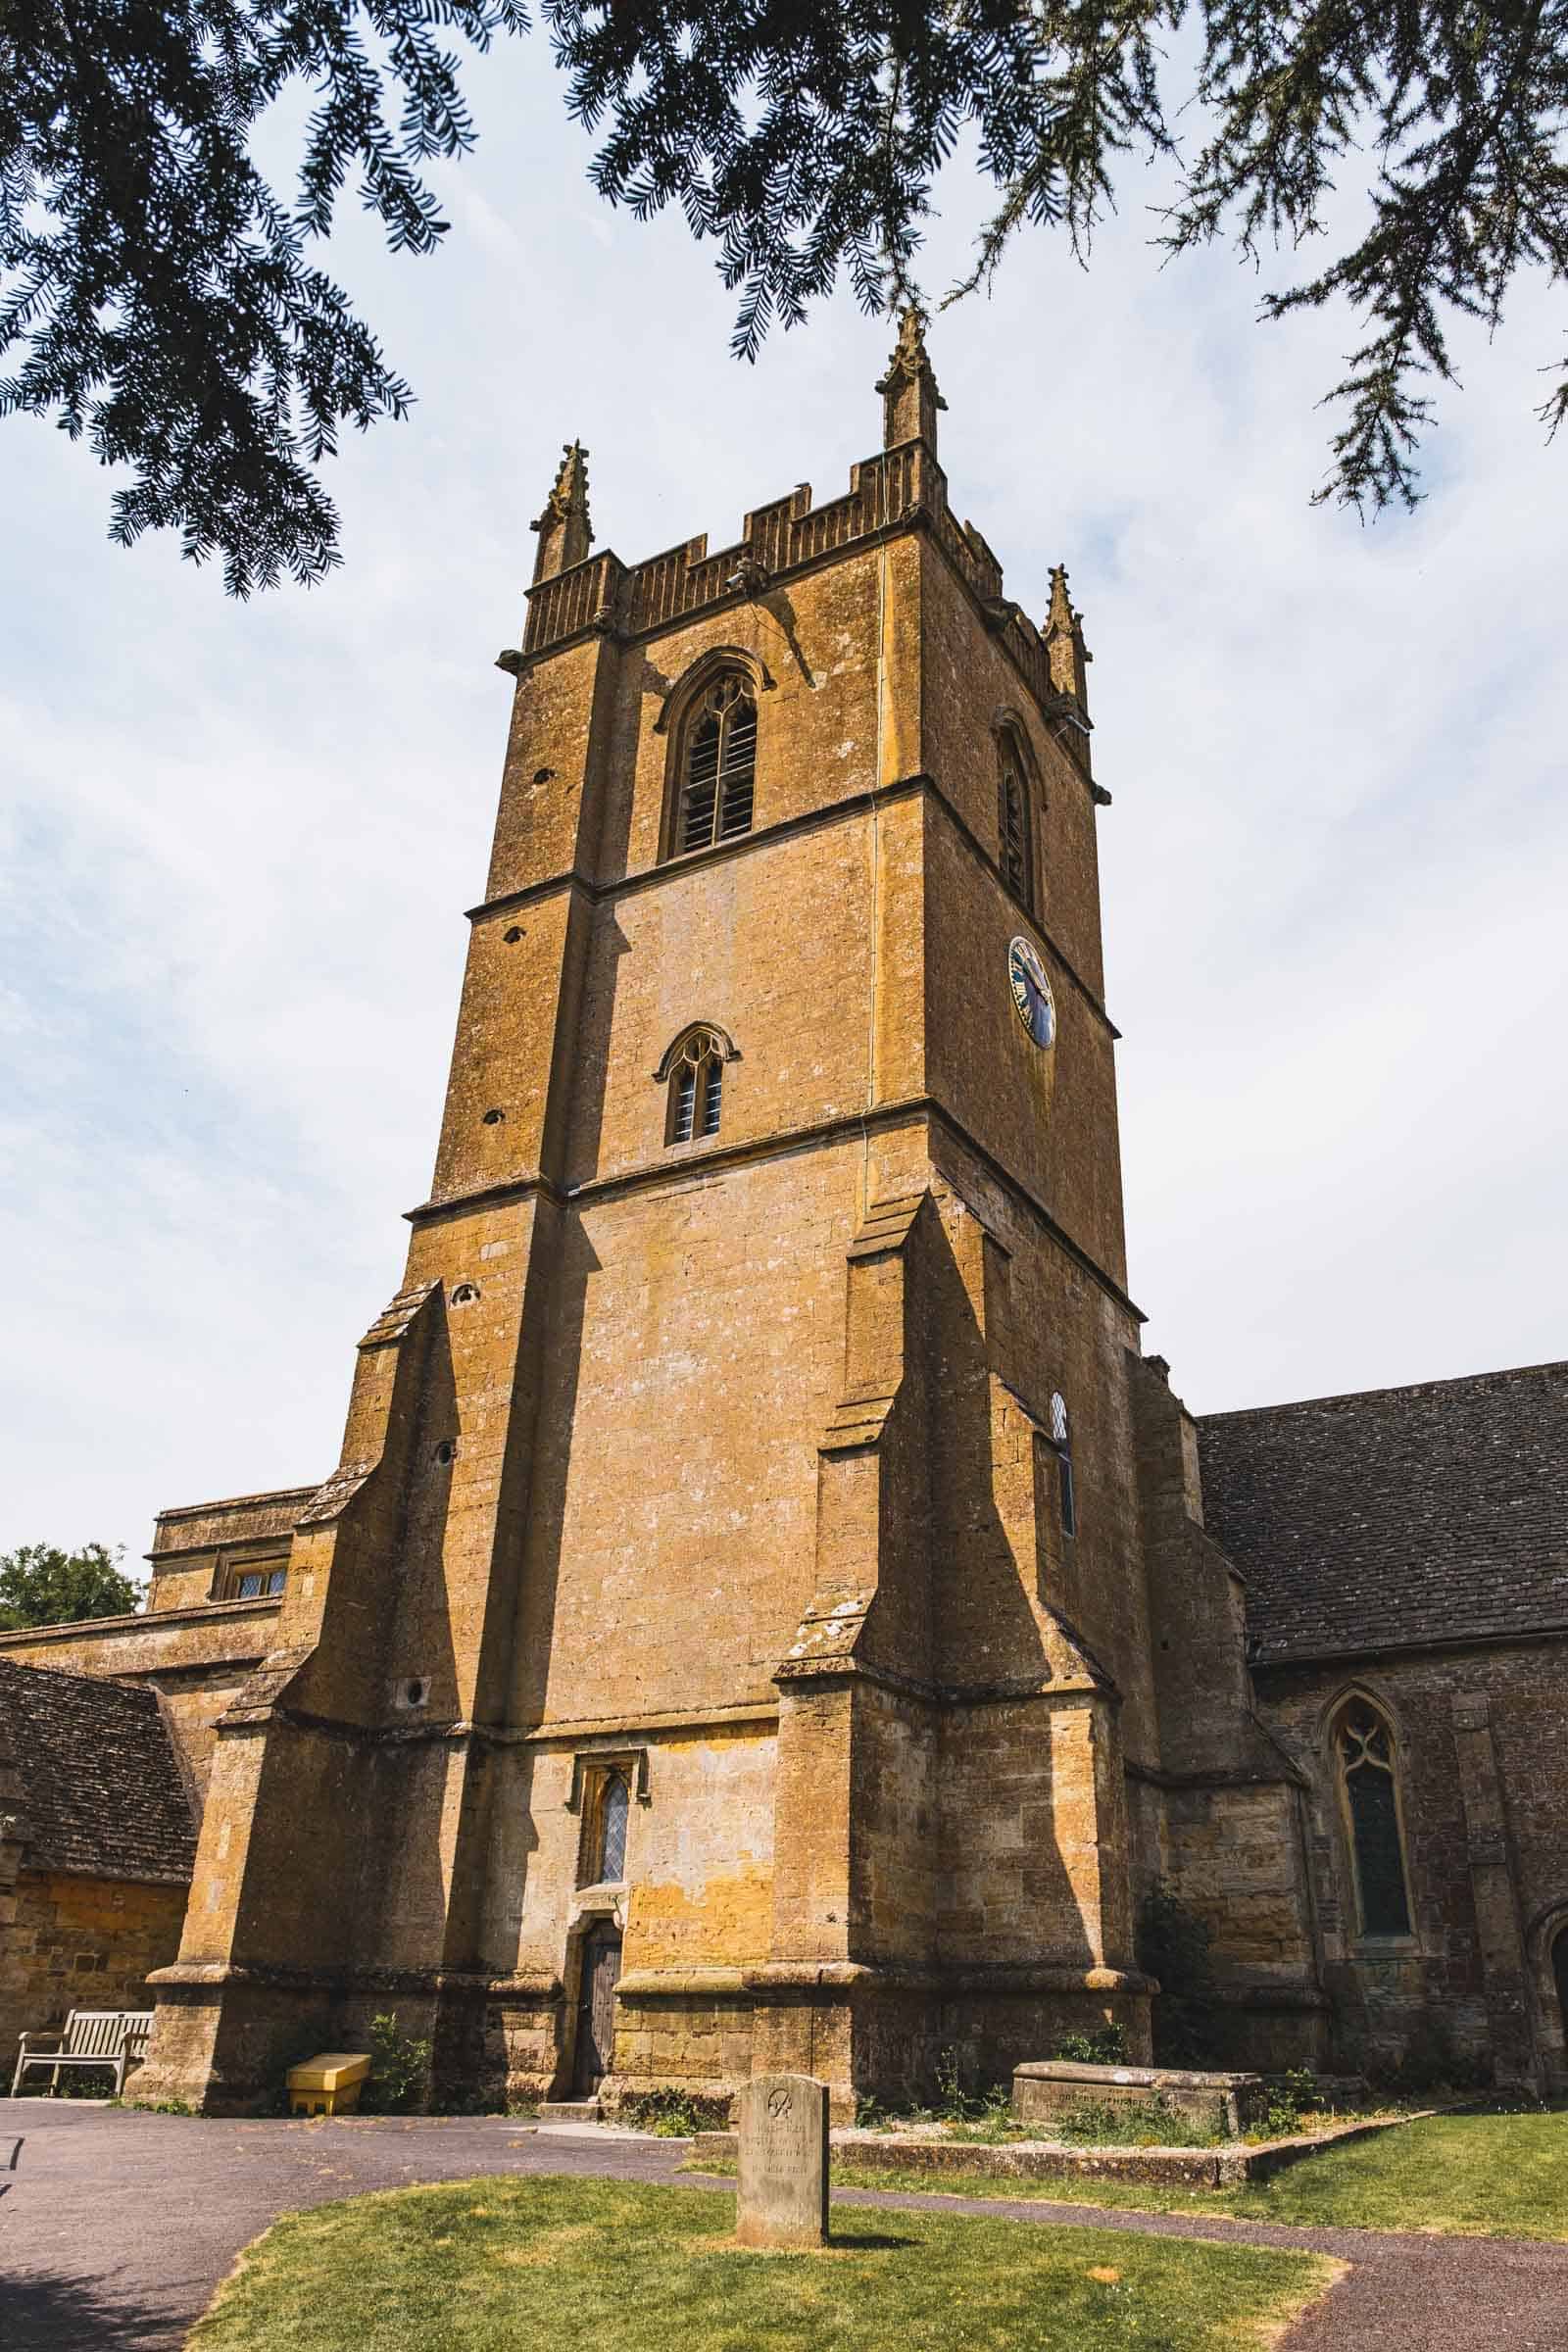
(903, 488)
(899, 490)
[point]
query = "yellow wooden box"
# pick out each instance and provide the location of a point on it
(328, 2084)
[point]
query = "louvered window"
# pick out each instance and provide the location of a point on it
(719, 782)
(697, 1088)
(1013, 814)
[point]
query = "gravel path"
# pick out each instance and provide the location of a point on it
(116, 2228)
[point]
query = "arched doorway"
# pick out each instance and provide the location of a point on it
(596, 2008)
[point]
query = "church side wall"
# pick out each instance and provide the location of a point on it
(1488, 1899)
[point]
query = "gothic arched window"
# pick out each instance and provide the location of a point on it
(1559, 1976)
(1012, 824)
(696, 1086)
(718, 766)
(1365, 1758)
(615, 1803)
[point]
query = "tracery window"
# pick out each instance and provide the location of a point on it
(718, 766)
(696, 1086)
(1012, 824)
(1061, 1447)
(1364, 1751)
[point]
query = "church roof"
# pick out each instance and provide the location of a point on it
(1399, 1518)
(99, 1790)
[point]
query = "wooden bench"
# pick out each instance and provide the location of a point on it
(106, 2038)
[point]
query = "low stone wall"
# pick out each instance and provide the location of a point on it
(948, 2162)
(1045, 2090)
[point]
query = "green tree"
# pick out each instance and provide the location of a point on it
(166, 306)
(41, 1584)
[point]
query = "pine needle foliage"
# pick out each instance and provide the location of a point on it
(160, 294)
(807, 135)
(163, 300)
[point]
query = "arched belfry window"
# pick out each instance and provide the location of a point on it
(694, 1067)
(1366, 1760)
(718, 766)
(1013, 824)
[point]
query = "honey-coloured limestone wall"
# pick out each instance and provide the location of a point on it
(78, 1943)
(731, 1462)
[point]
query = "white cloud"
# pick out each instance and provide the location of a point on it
(238, 841)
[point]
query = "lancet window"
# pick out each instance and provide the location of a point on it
(1062, 1445)
(610, 1830)
(718, 773)
(1366, 1759)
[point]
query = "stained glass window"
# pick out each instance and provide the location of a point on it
(1366, 1766)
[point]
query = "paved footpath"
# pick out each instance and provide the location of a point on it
(116, 2228)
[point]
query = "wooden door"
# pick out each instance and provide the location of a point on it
(596, 2008)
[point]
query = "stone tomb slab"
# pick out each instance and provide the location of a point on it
(782, 2155)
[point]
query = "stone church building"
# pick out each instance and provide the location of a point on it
(768, 1612)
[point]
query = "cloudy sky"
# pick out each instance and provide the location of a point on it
(236, 840)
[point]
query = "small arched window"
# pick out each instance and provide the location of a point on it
(696, 1086)
(1012, 824)
(718, 766)
(1364, 1754)
(1061, 1444)
(614, 1802)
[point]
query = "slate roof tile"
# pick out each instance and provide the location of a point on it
(1395, 1518)
(100, 1789)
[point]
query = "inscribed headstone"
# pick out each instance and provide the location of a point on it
(783, 2162)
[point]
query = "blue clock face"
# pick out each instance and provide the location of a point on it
(1031, 993)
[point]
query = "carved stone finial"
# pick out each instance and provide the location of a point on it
(565, 532)
(910, 396)
(1064, 634)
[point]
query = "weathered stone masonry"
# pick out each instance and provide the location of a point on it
(774, 1470)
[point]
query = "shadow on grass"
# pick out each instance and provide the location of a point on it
(48, 2311)
(868, 2242)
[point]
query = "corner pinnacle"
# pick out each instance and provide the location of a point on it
(911, 400)
(566, 530)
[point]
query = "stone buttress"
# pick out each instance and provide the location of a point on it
(733, 1636)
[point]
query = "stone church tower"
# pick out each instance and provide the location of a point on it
(760, 1618)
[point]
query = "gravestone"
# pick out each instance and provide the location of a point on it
(783, 2162)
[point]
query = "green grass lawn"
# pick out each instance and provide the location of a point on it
(485, 2265)
(1490, 2175)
